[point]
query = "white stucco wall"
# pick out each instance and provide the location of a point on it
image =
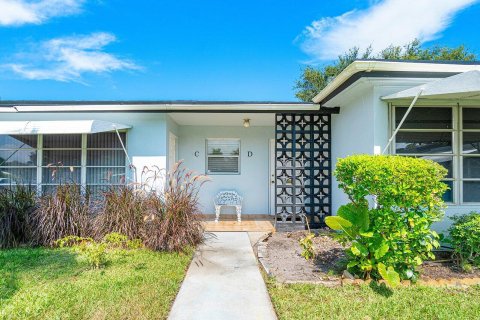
(253, 181)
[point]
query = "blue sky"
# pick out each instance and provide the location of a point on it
(203, 50)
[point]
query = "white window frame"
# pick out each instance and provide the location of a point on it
(457, 145)
(207, 156)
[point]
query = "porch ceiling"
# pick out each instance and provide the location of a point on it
(223, 119)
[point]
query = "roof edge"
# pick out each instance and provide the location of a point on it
(388, 67)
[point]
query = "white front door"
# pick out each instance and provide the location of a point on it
(271, 180)
(172, 150)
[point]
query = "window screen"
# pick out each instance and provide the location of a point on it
(223, 156)
(105, 160)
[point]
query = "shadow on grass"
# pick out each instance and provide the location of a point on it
(8, 284)
(45, 263)
(381, 289)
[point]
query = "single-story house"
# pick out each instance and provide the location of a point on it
(278, 156)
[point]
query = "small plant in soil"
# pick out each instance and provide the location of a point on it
(306, 243)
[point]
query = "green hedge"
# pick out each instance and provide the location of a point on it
(389, 239)
(465, 238)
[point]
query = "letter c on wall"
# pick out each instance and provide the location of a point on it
(196, 153)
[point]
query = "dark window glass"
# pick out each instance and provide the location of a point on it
(448, 195)
(423, 142)
(471, 142)
(425, 118)
(471, 191)
(18, 141)
(63, 141)
(105, 140)
(471, 167)
(471, 118)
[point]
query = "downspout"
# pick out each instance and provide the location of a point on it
(402, 121)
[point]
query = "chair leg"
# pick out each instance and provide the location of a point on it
(239, 213)
(217, 213)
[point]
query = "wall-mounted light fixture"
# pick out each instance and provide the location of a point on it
(246, 123)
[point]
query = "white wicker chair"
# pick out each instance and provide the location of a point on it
(228, 199)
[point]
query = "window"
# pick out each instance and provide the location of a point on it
(429, 133)
(18, 159)
(470, 154)
(93, 160)
(105, 160)
(61, 159)
(223, 156)
(449, 136)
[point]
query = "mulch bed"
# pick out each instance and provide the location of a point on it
(285, 263)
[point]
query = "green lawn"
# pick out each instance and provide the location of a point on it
(54, 284)
(298, 301)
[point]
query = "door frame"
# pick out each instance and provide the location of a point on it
(271, 177)
(171, 137)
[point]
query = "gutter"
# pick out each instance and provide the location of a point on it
(214, 108)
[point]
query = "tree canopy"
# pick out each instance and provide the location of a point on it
(314, 79)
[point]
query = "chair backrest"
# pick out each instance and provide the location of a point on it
(228, 198)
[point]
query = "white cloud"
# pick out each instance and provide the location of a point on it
(67, 59)
(386, 22)
(19, 12)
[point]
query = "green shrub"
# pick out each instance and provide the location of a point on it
(465, 238)
(391, 239)
(94, 253)
(16, 205)
(120, 241)
(63, 212)
(72, 241)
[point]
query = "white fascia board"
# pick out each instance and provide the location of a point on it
(165, 108)
(370, 66)
(7, 110)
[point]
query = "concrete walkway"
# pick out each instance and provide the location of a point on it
(223, 282)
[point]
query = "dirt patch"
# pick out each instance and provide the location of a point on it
(285, 262)
(434, 271)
